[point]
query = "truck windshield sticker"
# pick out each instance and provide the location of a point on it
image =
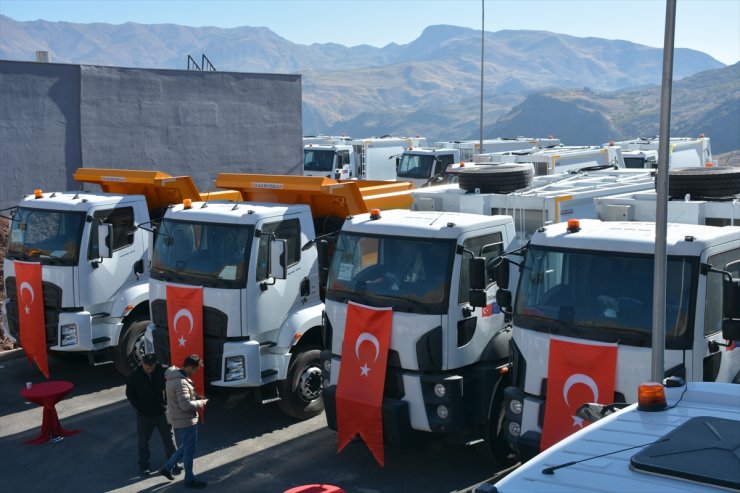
(228, 272)
(345, 272)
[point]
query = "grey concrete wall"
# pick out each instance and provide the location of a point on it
(39, 128)
(55, 118)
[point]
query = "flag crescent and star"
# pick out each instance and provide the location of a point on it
(576, 374)
(185, 319)
(29, 292)
(359, 396)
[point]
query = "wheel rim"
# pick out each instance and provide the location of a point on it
(310, 385)
(137, 351)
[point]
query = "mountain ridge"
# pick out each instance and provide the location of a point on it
(429, 86)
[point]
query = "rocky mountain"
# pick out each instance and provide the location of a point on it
(706, 103)
(430, 86)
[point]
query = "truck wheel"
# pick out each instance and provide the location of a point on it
(302, 389)
(127, 355)
(494, 447)
(496, 178)
(716, 182)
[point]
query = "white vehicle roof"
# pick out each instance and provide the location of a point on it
(635, 237)
(632, 428)
(232, 212)
(423, 224)
(77, 201)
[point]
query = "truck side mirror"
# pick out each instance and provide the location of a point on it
(501, 272)
(277, 268)
(478, 273)
(104, 232)
(731, 308)
(322, 248)
(478, 298)
(503, 300)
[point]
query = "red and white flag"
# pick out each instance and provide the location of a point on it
(359, 395)
(576, 374)
(185, 318)
(31, 313)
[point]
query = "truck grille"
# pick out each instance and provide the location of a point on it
(52, 307)
(214, 337)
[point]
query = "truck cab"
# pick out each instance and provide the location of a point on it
(425, 166)
(448, 351)
(590, 282)
(262, 310)
(94, 260)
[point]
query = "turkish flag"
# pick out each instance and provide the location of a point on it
(31, 313)
(185, 318)
(576, 374)
(362, 377)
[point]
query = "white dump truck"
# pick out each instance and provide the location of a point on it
(559, 159)
(448, 356)
(585, 289)
(424, 166)
(360, 159)
(94, 260)
(261, 307)
(470, 148)
(683, 152)
(532, 201)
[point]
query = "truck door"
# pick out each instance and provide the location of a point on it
(100, 280)
(717, 362)
(472, 328)
(268, 303)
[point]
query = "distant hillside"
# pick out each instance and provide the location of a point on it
(430, 86)
(707, 103)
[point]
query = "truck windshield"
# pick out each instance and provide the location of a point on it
(408, 274)
(51, 237)
(603, 296)
(415, 166)
(202, 254)
(318, 160)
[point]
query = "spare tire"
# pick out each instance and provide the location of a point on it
(496, 178)
(714, 182)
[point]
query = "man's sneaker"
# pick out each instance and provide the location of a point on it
(176, 470)
(196, 484)
(167, 474)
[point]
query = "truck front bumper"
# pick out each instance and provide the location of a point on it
(412, 402)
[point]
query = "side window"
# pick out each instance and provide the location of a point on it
(442, 162)
(488, 246)
(285, 230)
(122, 220)
(729, 262)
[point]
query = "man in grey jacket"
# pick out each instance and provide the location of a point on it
(182, 412)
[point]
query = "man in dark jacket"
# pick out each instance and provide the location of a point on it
(145, 391)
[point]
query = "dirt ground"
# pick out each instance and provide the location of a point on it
(5, 343)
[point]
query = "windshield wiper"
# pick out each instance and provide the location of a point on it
(16, 256)
(48, 259)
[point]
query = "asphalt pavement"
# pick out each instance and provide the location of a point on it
(243, 446)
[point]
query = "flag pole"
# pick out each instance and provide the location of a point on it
(661, 208)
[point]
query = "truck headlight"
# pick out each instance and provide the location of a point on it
(235, 368)
(69, 335)
(440, 390)
(514, 429)
(442, 412)
(515, 406)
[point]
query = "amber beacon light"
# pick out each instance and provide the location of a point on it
(651, 397)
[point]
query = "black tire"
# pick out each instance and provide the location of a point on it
(494, 447)
(497, 178)
(301, 393)
(715, 182)
(127, 355)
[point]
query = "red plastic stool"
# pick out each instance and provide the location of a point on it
(315, 488)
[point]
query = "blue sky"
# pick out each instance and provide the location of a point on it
(711, 26)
